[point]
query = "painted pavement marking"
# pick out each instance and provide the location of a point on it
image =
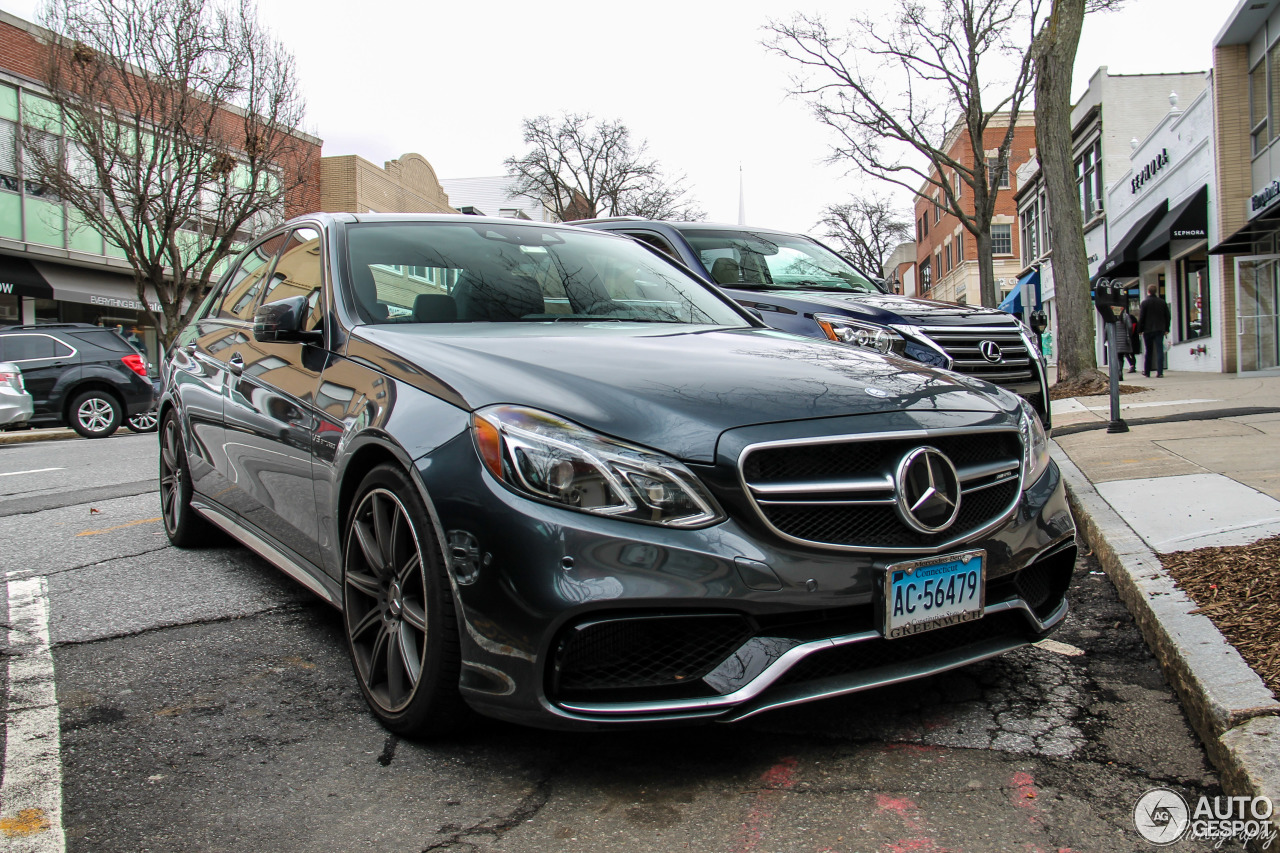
(32, 471)
(31, 793)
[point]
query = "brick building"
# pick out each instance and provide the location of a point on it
(946, 254)
(352, 184)
(52, 267)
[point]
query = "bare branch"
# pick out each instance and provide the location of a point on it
(866, 229)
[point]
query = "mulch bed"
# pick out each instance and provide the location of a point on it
(1091, 384)
(1238, 588)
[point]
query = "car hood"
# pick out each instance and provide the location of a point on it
(674, 389)
(881, 308)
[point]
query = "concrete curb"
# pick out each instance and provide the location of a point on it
(28, 435)
(1230, 708)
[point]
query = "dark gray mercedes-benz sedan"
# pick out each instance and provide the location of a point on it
(551, 476)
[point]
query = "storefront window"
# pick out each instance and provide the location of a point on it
(1193, 297)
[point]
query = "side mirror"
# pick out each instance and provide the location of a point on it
(281, 322)
(1039, 322)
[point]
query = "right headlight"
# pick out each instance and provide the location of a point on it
(1035, 445)
(859, 334)
(545, 457)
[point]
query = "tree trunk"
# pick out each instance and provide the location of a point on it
(1055, 52)
(986, 272)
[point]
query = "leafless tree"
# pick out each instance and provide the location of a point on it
(899, 93)
(1054, 53)
(179, 120)
(866, 229)
(581, 168)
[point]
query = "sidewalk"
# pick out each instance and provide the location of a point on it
(1200, 467)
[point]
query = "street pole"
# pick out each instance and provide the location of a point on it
(1113, 363)
(1109, 298)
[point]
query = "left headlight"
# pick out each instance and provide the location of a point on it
(860, 334)
(547, 458)
(1035, 445)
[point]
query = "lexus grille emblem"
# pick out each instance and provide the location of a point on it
(991, 351)
(928, 490)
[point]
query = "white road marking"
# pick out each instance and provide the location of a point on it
(31, 794)
(32, 471)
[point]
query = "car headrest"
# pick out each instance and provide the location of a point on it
(726, 271)
(434, 308)
(500, 299)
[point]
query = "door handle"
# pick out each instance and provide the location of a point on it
(189, 349)
(236, 364)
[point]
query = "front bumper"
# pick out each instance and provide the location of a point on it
(527, 576)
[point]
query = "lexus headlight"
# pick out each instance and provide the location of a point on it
(1035, 445)
(550, 459)
(861, 334)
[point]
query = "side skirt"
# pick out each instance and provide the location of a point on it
(280, 557)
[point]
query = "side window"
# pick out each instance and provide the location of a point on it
(61, 350)
(656, 242)
(246, 281)
(25, 347)
(299, 272)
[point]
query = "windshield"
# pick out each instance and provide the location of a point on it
(469, 272)
(776, 261)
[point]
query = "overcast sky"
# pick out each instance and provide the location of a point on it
(452, 81)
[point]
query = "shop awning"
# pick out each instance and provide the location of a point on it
(1188, 221)
(1122, 262)
(91, 287)
(1241, 242)
(1013, 302)
(19, 277)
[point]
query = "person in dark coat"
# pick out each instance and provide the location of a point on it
(1154, 320)
(1130, 342)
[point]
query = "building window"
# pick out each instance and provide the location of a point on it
(1030, 226)
(1258, 103)
(937, 209)
(1089, 180)
(997, 173)
(1193, 297)
(1002, 239)
(1045, 244)
(948, 253)
(926, 275)
(956, 183)
(937, 264)
(960, 248)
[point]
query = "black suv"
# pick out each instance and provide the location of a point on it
(83, 376)
(798, 285)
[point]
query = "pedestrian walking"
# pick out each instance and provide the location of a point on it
(1153, 321)
(1130, 341)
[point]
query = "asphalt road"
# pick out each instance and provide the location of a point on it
(205, 702)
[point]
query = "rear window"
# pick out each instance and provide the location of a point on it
(104, 338)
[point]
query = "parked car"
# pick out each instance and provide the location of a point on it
(82, 376)
(552, 477)
(148, 421)
(799, 285)
(15, 402)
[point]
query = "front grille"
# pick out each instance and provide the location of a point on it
(964, 345)
(842, 494)
(872, 654)
(645, 652)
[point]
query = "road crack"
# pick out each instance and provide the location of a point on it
(494, 828)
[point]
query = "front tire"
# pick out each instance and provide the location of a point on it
(95, 414)
(184, 527)
(398, 610)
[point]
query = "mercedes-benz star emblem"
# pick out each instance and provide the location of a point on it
(928, 490)
(991, 351)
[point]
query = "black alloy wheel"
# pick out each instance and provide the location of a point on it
(95, 414)
(185, 528)
(398, 610)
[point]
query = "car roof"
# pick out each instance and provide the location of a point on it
(621, 223)
(349, 218)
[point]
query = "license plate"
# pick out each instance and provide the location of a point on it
(925, 594)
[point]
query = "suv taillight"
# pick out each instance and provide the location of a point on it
(136, 364)
(14, 380)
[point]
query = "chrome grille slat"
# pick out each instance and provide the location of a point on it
(802, 490)
(962, 344)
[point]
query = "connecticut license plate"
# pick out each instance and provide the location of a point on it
(925, 594)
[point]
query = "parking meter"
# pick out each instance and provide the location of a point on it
(1110, 298)
(1039, 322)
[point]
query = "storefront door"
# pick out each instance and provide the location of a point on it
(1257, 312)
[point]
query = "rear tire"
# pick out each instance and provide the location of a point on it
(146, 421)
(398, 611)
(184, 526)
(95, 414)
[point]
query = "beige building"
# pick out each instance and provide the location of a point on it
(351, 184)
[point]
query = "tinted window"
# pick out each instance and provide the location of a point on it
(299, 273)
(746, 258)
(482, 272)
(22, 347)
(106, 339)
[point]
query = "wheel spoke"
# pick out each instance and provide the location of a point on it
(409, 655)
(414, 616)
(407, 572)
(367, 584)
(369, 546)
(372, 619)
(382, 510)
(378, 654)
